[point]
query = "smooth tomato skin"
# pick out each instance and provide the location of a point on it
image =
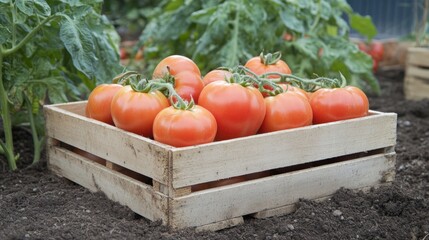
(181, 128)
(188, 85)
(216, 75)
(176, 64)
(286, 110)
(257, 66)
(239, 111)
(338, 104)
(135, 112)
(99, 100)
(377, 51)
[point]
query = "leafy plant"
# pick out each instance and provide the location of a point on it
(311, 34)
(130, 16)
(50, 51)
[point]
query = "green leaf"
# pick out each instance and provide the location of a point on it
(202, 16)
(291, 21)
(363, 25)
(307, 46)
(79, 43)
(4, 34)
(25, 6)
(43, 7)
(173, 5)
(358, 62)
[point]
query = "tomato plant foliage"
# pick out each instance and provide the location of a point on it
(51, 50)
(311, 34)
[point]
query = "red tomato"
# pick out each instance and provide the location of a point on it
(258, 66)
(377, 51)
(135, 111)
(123, 54)
(288, 37)
(286, 110)
(181, 128)
(338, 104)
(139, 55)
(173, 65)
(374, 65)
(188, 84)
(239, 111)
(98, 106)
(216, 75)
(187, 77)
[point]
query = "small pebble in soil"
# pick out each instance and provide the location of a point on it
(34, 189)
(27, 235)
(337, 212)
(25, 218)
(290, 227)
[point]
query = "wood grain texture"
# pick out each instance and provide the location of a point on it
(139, 197)
(416, 88)
(220, 160)
(126, 149)
(418, 56)
(239, 199)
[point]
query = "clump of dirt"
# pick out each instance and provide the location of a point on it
(35, 204)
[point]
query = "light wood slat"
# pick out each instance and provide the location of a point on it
(239, 199)
(416, 89)
(257, 153)
(418, 56)
(413, 71)
(139, 197)
(126, 149)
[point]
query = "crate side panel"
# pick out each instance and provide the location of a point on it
(422, 73)
(415, 88)
(239, 199)
(281, 149)
(418, 57)
(139, 197)
(115, 145)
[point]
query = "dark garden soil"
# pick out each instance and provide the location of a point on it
(35, 204)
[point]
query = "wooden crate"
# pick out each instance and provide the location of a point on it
(416, 83)
(164, 183)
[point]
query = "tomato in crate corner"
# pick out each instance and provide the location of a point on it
(336, 104)
(99, 100)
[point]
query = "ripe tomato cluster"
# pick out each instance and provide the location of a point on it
(375, 50)
(180, 108)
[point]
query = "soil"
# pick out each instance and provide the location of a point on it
(35, 204)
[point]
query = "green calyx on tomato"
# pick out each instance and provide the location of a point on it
(270, 58)
(183, 74)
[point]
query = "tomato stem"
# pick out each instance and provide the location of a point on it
(124, 78)
(323, 82)
(270, 58)
(175, 99)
